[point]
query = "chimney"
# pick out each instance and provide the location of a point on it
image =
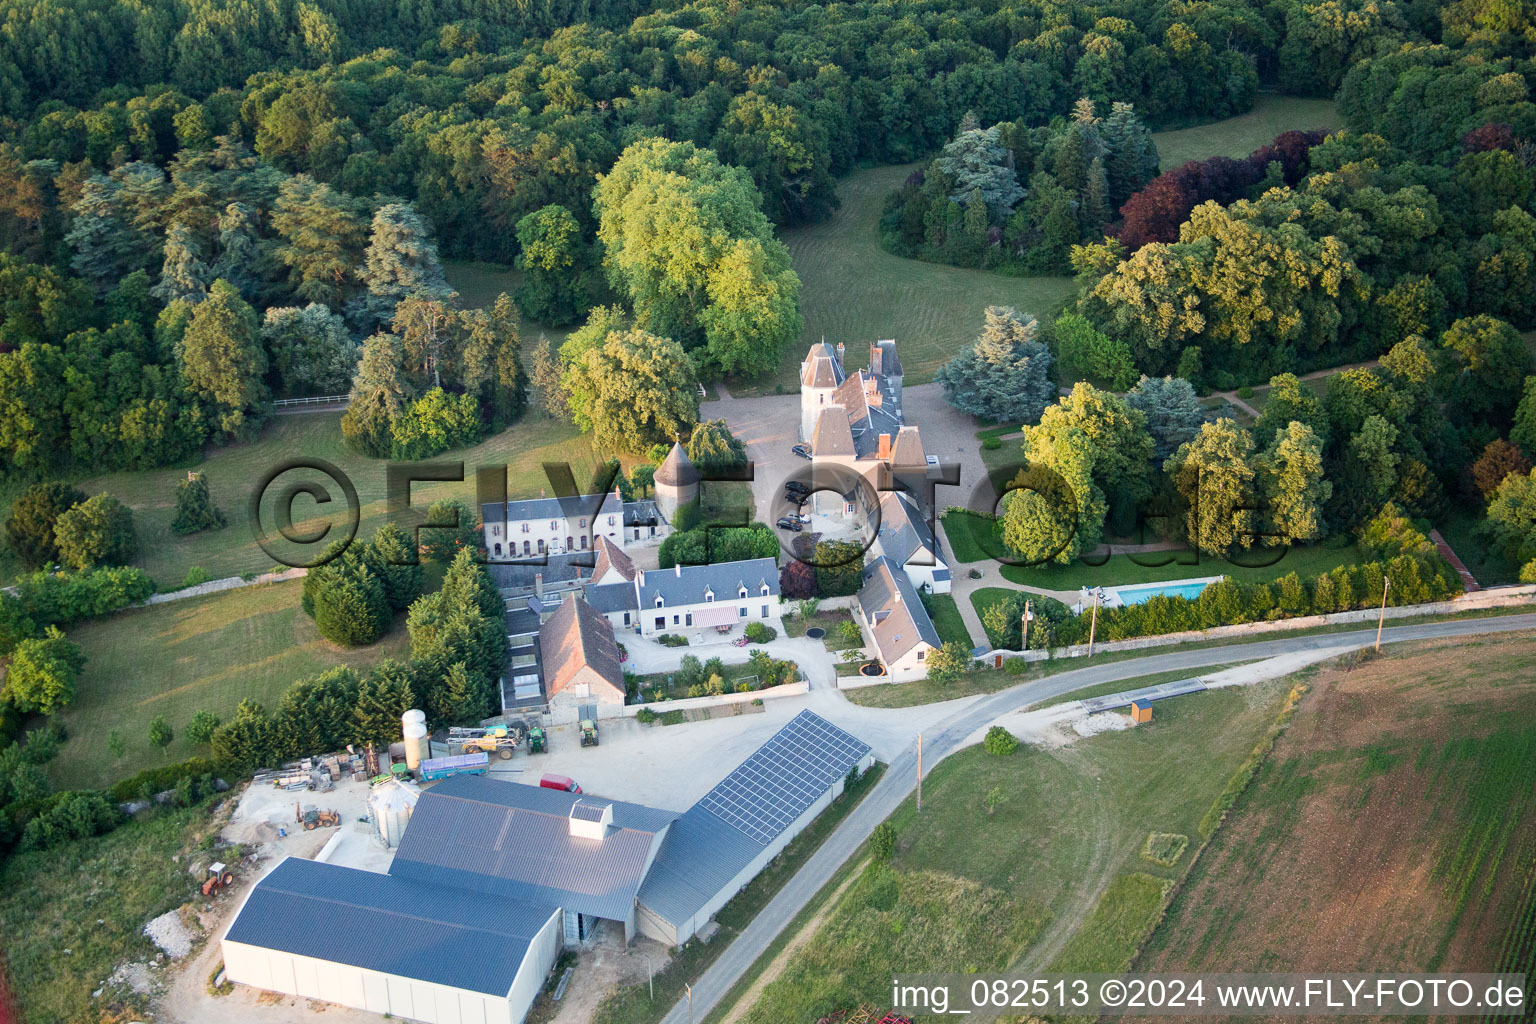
(679, 570)
(885, 446)
(840, 350)
(543, 493)
(538, 584)
(874, 357)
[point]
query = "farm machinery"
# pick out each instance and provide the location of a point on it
(219, 878)
(501, 741)
(589, 732)
(311, 817)
(538, 743)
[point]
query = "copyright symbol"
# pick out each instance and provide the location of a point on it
(315, 531)
(1112, 992)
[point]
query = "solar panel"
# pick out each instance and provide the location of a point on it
(774, 786)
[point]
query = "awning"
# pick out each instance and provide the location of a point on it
(716, 615)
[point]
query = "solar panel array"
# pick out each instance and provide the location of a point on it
(785, 776)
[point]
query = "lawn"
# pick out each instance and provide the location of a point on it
(233, 473)
(174, 659)
(1119, 570)
(1241, 135)
(946, 619)
(853, 291)
(661, 682)
(1396, 841)
(92, 898)
(1026, 889)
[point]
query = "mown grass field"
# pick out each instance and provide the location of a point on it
(946, 619)
(1241, 135)
(234, 472)
(1392, 829)
(853, 291)
(1025, 890)
(92, 898)
(204, 653)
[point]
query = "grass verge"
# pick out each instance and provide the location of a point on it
(634, 1005)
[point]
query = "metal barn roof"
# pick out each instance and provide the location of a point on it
(746, 812)
(440, 935)
(513, 841)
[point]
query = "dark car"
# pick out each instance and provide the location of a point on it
(797, 500)
(789, 523)
(802, 450)
(796, 487)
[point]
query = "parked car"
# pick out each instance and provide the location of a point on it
(802, 450)
(797, 500)
(564, 783)
(789, 523)
(796, 487)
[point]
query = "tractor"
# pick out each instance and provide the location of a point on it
(538, 743)
(588, 732)
(311, 817)
(219, 877)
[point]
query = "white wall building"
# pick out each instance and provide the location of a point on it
(539, 526)
(655, 601)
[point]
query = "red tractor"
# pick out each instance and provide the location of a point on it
(219, 877)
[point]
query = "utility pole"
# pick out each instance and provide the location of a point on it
(1093, 624)
(690, 1001)
(1385, 583)
(919, 772)
(1025, 629)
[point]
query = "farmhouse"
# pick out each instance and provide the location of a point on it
(580, 657)
(895, 620)
(492, 878)
(904, 539)
(656, 601)
(551, 526)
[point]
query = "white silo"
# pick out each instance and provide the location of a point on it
(390, 805)
(414, 724)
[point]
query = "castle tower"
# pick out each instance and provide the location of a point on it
(820, 373)
(676, 483)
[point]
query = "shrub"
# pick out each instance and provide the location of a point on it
(991, 444)
(1245, 392)
(158, 780)
(1015, 666)
(1164, 848)
(1000, 741)
(760, 633)
(645, 716)
(672, 640)
(882, 842)
(849, 632)
(196, 577)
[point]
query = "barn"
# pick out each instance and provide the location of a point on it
(492, 878)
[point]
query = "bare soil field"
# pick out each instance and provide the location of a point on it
(1392, 828)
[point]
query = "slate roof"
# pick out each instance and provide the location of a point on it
(577, 636)
(832, 435)
(751, 807)
(883, 359)
(445, 936)
(820, 368)
(676, 470)
(905, 622)
(908, 448)
(533, 509)
(611, 556)
(611, 597)
(687, 584)
(903, 530)
(523, 573)
(513, 841)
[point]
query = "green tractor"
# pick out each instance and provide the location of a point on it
(538, 743)
(588, 732)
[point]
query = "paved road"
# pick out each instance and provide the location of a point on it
(900, 778)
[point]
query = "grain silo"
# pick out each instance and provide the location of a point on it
(414, 724)
(390, 806)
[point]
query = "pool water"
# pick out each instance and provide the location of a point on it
(1136, 595)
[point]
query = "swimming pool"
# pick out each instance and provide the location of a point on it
(1185, 588)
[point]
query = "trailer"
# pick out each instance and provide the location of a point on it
(435, 768)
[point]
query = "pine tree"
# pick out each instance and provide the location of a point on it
(322, 234)
(1006, 375)
(1172, 409)
(546, 376)
(106, 248)
(977, 160)
(223, 361)
(195, 509)
(312, 351)
(401, 262)
(183, 274)
(456, 700)
(239, 250)
(350, 605)
(1095, 206)
(1132, 160)
(383, 696)
(380, 393)
(398, 566)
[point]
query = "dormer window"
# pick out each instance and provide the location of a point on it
(709, 597)
(765, 590)
(742, 594)
(659, 601)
